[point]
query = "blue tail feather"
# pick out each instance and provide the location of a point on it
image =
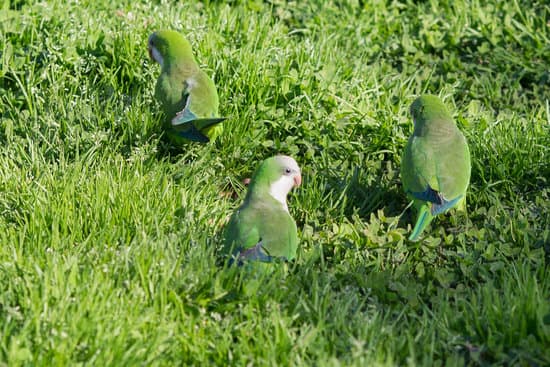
(192, 134)
(183, 116)
(446, 205)
(256, 253)
(430, 195)
(439, 203)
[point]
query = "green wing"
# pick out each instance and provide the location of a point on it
(169, 93)
(436, 168)
(189, 126)
(418, 170)
(453, 166)
(279, 235)
(435, 172)
(269, 227)
(242, 231)
(199, 120)
(190, 108)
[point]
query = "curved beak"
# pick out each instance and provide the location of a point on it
(297, 180)
(151, 48)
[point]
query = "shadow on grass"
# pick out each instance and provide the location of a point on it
(364, 192)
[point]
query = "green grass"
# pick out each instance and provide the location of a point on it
(108, 234)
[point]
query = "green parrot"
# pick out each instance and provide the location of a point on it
(187, 95)
(262, 229)
(435, 167)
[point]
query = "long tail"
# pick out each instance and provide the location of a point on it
(424, 218)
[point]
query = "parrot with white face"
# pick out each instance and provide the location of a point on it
(261, 229)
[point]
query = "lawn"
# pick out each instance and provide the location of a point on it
(108, 233)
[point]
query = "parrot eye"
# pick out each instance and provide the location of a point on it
(287, 171)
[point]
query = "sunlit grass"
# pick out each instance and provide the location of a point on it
(108, 235)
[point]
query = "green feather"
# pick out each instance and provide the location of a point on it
(261, 228)
(435, 167)
(185, 92)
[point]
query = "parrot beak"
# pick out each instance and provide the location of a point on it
(153, 52)
(150, 46)
(150, 49)
(297, 180)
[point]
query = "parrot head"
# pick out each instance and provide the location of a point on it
(278, 175)
(291, 175)
(167, 45)
(426, 108)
